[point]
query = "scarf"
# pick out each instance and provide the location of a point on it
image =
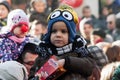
(78, 46)
(16, 39)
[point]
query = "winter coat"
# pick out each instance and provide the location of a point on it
(9, 49)
(78, 61)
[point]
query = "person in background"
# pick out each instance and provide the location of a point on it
(51, 5)
(100, 57)
(12, 42)
(99, 35)
(4, 10)
(87, 13)
(38, 9)
(113, 53)
(28, 55)
(13, 70)
(111, 25)
(39, 27)
(101, 60)
(103, 17)
(116, 74)
(86, 27)
(108, 71)
(62, 41)
(117, 31)
(113, 7)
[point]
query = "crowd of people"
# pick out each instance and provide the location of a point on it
(88, 48)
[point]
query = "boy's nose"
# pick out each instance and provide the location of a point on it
(58, 34)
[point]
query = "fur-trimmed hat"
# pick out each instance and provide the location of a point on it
(68, 16)
(17, 17)
(6, 4)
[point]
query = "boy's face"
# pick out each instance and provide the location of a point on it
(59, 34)
(3, 12)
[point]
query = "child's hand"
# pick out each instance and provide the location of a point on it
(61, 62)
(42, 74)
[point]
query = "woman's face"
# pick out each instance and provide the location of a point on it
(59, 34)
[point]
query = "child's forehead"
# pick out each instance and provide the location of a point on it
(2, 5)
(59, 25)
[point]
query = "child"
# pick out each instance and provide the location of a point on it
(39, 7)
(61, 40)
(11, 43)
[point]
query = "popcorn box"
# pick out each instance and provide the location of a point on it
(50, 70)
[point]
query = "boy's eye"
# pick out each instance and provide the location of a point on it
(64, 31)
(53, 31)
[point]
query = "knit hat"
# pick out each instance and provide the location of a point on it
(6, 4)
(99, 32)
(12, 70)
(99, 56)
(16, 18)
(68, 16)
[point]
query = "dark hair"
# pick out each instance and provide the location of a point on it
(113, 53)
(42, 22)
(90, 22)
(86, 7)
(99, 32)
(29, 47)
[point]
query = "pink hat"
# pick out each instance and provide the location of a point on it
(16, 18)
